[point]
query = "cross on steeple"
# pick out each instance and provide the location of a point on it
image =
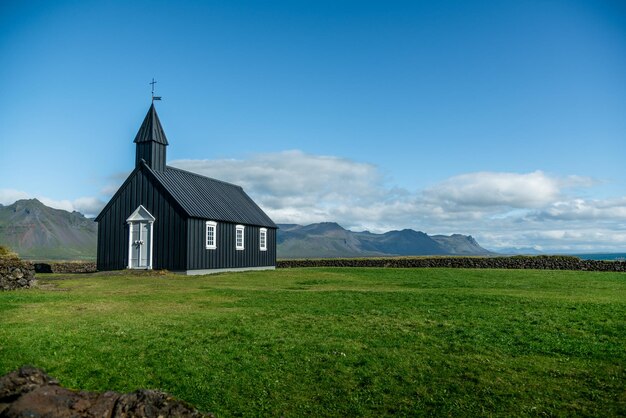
(153, 96)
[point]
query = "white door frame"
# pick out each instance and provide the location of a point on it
(138, 217)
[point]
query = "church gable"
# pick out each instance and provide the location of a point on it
(141, 189)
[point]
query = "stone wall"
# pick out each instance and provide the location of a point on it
(66, 267)
(542, 262)
(514, 262)
(16, 274)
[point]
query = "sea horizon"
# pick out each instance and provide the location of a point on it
(602, 256)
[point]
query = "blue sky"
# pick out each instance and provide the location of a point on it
(504, 120)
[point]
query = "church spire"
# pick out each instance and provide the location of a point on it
(151, 129)
(151, 141)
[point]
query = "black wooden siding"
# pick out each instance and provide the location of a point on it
(225, 255)
(169, 231)
(152, 153)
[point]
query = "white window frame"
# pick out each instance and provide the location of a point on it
(263, 239)
(211, 225)
(239, 228)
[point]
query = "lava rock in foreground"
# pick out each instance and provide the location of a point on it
(30, 392)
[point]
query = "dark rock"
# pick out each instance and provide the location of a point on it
(43, 268)
(516, 262)
(66, 267)
(30, 392)
(16, 274)
(151, 403)
(21, 381)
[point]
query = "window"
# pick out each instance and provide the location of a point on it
(239, 237)
(263, 239)
(211, 233)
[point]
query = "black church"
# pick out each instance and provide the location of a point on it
(166, 218)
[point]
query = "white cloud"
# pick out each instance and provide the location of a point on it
(9, 196)
(110, 189)
(581, 209)
(292, 173)
(113, 183)
(90, 206)
(501, 210)
(296, 187)
(57, 204)
(489, 189)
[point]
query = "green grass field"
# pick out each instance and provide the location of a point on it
(334, 342)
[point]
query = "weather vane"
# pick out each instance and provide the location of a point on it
(153, 96)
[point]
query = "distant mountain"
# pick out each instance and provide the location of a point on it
(460, 244)
(322, 240)
(405, 242)
(38, 232)
(330, 240)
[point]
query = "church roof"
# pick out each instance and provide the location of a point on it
(207, 198)
(151, 129)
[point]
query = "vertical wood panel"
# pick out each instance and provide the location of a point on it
(226, 255)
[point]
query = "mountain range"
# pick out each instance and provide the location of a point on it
(38, 232)
(329, 240)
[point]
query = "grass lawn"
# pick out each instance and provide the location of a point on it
(334, 342)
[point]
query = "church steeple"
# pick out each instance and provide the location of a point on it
(151, 141)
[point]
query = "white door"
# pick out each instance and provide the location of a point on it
(144, 260)
(140, 245)
(140, 227)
